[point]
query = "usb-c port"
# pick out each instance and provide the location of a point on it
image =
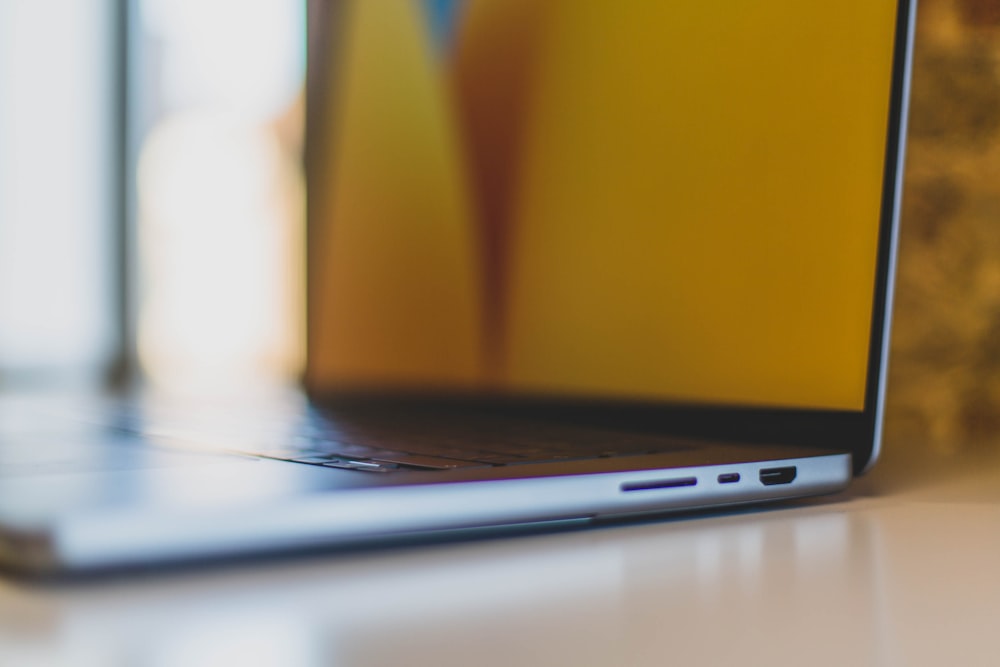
(772, 476)
(729, 478)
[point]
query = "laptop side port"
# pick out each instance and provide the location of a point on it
(660, 484)
(729, 478)
(773, 476)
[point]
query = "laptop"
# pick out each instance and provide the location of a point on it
(569, 261)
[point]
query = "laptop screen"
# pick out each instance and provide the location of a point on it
(658, 201)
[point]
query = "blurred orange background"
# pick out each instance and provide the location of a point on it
(945, 366)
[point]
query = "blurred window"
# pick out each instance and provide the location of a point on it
(57, 191)
(151, 196)
(217, 107)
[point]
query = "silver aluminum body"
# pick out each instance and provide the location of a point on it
(221, 506)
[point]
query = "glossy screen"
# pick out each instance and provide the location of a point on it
(632, 199)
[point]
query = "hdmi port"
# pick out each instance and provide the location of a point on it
(772, 476)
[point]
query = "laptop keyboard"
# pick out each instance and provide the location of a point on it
(386, 440)
(456, 442)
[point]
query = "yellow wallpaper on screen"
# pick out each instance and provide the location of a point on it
(711, 233)
(397, 299)
(631, 199)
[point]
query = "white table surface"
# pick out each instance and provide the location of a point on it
(904, 569)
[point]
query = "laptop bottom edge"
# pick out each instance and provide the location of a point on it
(139, 535)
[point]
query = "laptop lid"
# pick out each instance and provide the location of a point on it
(678, 215)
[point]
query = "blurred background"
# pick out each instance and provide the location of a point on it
(151, 192)
(152, 204)
(944, 383)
